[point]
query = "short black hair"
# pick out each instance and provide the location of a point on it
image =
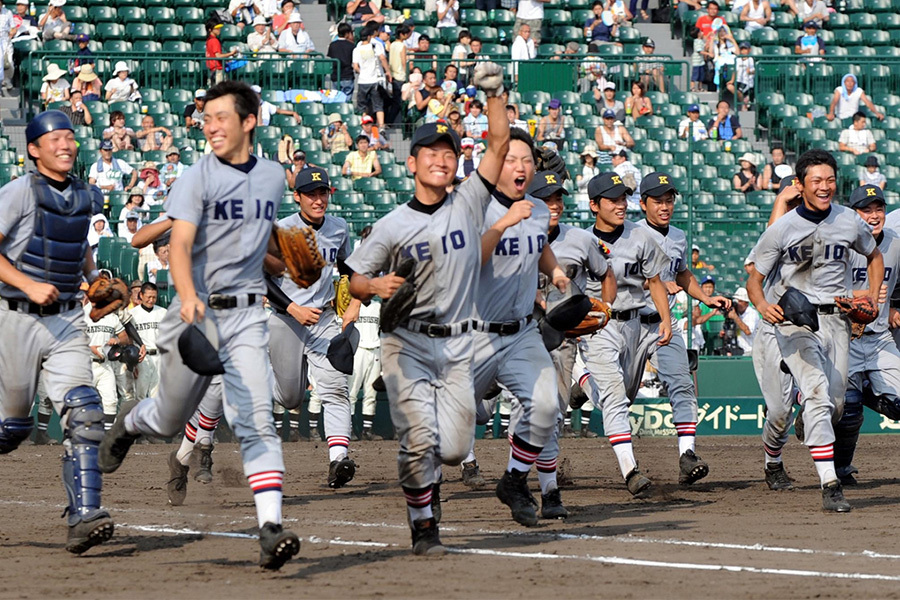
(149, 286)
(362, 137)
(517, 133)
(246, 102)
(367, 32)
(475, 39)
(79, 92)
(115, 115)
(402, 30)
(424, 37)
(777, 147)
(477, 104)
(344, 29)
(432, 71)
(450, 66)
(464, 33)
(727, 103)
(858, 115)
(161, 241)
(814, 157)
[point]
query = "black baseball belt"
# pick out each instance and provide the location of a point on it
(46, 310)
(225, 302)
(437, 330)
(507, 328)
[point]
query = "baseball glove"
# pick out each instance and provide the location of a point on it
(300, 254)
(107, 295)
(550, 160)
(594, 321)
(342, 295)
(860, 311)
(396, 309)
(489, 77)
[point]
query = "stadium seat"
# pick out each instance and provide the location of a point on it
(160, 14)
(498, 17)
(109, 31)
(131, 14)
(101, 14)
(189, 14)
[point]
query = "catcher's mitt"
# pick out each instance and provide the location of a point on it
(860, 311)
(594, 321)
(396, 309)
(342, 295)
(107, 295)
(550, 160)
(300, 254)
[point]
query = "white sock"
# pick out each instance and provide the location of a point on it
(184, 451)
(826, 471)
(685, 443)
(771, 459)
(268, 507)
(416, 514)
(336, 453)
(470, 457)
(625, 456)
(547, 481)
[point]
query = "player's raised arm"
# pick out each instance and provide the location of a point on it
(489, 78)
(875, 270)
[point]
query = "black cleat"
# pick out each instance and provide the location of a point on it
(426, 540)
(276, 546)
(87, 534)
(114, 447)
(638, 483)
(340, 472)
(293, 435)
(552, 506)
(512, 490)
(587, 433)
(176, 487)
(368, 436)
(577, 397)
(471, 475)
(833, 497)
(777, 478)
(693, 468)
(204, 462)
(568, 432)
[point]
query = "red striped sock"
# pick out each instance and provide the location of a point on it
(521, 454)
(545, 466)
(338, 446)
(822, 453)
(418, 502)
(774, 453)
(266, 481)
(207, 423)
(686, 429)
(190, 433)
(619, 438)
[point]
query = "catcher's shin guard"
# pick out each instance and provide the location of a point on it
(83, 415)
(14, 431)
(846, 432)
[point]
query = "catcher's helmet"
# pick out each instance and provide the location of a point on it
(44, 123)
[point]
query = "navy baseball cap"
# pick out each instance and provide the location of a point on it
(106, 145)
(708, 279)
(656, 184)
(607, 185)
(785, 182)
(871, 161)
(609, 114)
(865, 195)
(693, 108)
(545, 184)
(810, 24)
(311, 179)
(430, 133)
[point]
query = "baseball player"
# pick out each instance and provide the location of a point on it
(427, 359)
(579, 256)
(671, 361)
(102, 335)
(776, 385)
(366, 365)
(509, 348)
(811, 245)
(577, 382)
(44, 257)
(303, 324)
(613, 355)
(223, 210)
(200, 428)
(146, 317)
(874, 362)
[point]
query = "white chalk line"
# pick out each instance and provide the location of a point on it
(247, 536)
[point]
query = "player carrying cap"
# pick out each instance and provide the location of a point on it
(304, 322)
(811, 245)
(44, 257)
(776, 385)
(671, 361)
(874, 363)
(427, 358)
(223, 210)
(612, 355)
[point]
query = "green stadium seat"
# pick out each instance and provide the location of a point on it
(116, 46)
(102, 14)
(557, 16)
(486, 33)
(109, 31)
(369, 184)
(847, 37)
(862, 51)
(189, 14)
(161, 14)
(131, 14)
(191, 31)
(499, 17)
(231, 33)
(879, 38)
(174, 46)
(146, 45)
(765, 37)
(471, 17)
(863, 21)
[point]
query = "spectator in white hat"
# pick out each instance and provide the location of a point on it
(294, 38)
(746, 179)
(605, 97)
(261, 39)
(55, 88)
(193, 112)
(53, 23)
(376, 140)
(244, 11)
(745, 318)
(122, 88)
(469, 161)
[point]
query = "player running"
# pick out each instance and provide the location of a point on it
(223, 209)
(811, 245)
(427, 359)
(44, 257)
(671, 360)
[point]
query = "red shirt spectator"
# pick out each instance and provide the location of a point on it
(213, 49)
(704, 22)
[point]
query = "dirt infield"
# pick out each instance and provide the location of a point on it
(726, 537)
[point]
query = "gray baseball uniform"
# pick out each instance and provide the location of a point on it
(516, 357)
(429, 379)
(294, 348)
(612, 355)
(234, 210)
(814, 256)
(776, 385)
(670, 361)
(44, 231)
(892, 222)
